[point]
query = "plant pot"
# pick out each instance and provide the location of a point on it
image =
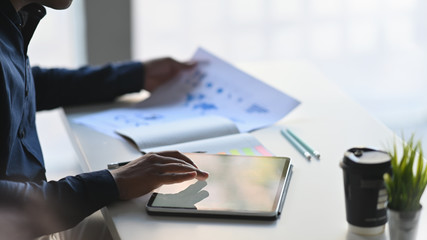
(403, 225)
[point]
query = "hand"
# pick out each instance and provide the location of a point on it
(161, 70)
(152, 170)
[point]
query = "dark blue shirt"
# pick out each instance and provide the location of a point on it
(23, 90)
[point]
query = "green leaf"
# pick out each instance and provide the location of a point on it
(408, 179)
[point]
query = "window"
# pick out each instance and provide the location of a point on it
(59, 38)
(375, 50)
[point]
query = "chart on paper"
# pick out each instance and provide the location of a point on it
(203, 95)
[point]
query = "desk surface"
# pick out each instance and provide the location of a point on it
(314, 209)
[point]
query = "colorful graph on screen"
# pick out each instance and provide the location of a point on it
(249, 151)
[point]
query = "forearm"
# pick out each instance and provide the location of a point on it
(61, 87)
(57, 205)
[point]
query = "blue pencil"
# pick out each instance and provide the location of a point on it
(303, 144)
(296, 144)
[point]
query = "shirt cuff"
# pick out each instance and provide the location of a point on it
(101, 187)
(133, 75)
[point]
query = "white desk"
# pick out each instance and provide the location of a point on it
(314, 209)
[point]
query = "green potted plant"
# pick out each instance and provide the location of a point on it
(405, 185)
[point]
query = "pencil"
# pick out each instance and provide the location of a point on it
(302, 143)
(296, 144)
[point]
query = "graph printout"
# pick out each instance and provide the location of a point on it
(214, 87)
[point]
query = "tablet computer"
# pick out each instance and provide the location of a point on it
(249, 187)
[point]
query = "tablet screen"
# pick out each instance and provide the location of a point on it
(236, 184)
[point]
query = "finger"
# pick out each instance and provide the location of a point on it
(159, 159)
(181, 168)
(175, 167)
(167, 157)
(202, 176)
(189, 64)
(170, 178)
(178, 155)
(183, 65)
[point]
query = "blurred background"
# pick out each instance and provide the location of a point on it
(375, 50)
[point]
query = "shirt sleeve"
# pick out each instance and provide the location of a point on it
(58, 205)
(61, 87)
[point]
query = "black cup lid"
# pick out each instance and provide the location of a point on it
(366, 160)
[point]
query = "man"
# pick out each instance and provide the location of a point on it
(62, 204)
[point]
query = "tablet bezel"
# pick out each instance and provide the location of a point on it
(257, 215)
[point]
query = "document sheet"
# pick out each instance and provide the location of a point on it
(214, 87)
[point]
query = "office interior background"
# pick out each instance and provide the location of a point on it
(375, 50)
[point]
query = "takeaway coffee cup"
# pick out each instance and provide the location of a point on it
(365, 193)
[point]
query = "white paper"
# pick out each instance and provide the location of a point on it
(179, 131)
(213, 88)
